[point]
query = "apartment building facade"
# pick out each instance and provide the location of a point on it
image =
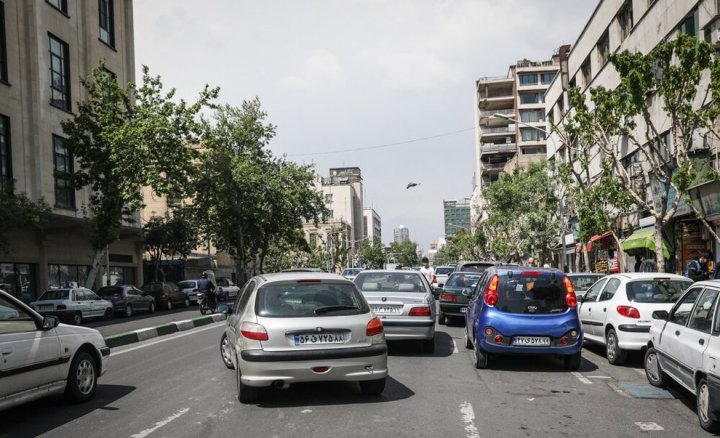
(372, 224)
(401, 234)
(45, 48)
(456, 216)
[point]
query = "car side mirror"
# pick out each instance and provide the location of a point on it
(660, 314)
(579, 298)
(224, 309)
(49, 322)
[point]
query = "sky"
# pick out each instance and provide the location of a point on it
(335, 75)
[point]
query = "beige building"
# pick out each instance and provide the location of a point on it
(45, 48)
(372, 224)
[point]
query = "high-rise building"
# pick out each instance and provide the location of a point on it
(457, 216)
(401, 234)
(46, 47)
(372, 225)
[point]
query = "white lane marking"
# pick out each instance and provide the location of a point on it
(169, 338)
(581, 378)
(648, 426)
(599, 377)
(455, 349)
(306, 411)
(468, 417)
(160, 424)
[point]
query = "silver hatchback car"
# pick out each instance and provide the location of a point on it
(296, 327)
(404, 302)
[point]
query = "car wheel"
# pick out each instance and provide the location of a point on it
(615, 355)
(441, 319)
(77, 318)
(151, 308)
(128, 311)
(82, 378)
(245, 394)
(186, 303)
(372, 387)
(481, 358)
(655, 375)
(428, 345)
(468, 343)
(573, 362)
(168, 305)
(704, 404)
(109, 313)
(225, 352)
(203, 309)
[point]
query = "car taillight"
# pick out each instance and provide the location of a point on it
(489, 331)
(61, 307)
(491, 294)
(420, 311)
(374, 327)
(448, 297)
(530, 273)
(628, 312)
(570, 297)
(253, 331)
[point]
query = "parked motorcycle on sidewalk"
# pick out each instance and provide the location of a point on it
(207, 304)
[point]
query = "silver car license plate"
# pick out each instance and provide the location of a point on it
(463, 310)
(532, 341)
(387, 310)
(319, 338)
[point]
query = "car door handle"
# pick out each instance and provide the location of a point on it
(605, 309)
(7, 351)
(677, 332)
(702, 341)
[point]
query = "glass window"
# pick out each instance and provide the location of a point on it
(442, 270)
(62, 276)
(610, 289)
(90, 295)
(594, 291)
(14, 319)
(586, 72)
(531, 116)
(244, 297)
(64, 192)
(309, 300)
(689, 26)
(60, 5)
(625, 20)
(80, 295)
(603, 49)
(463, 280)
(107, 22)
(530, 293)
(527, 98)
(547, 78)
(3, 45)
(5, 151)
(119, 275)
(702, 315)
(682, 310)
(528, 79)
(59, 74)
(18, 279)
(56, 294)
(111, 291)
(583, 282)
(656, 290)
(531, 134)
(391, 282)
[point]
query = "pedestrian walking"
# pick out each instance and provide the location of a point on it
(427, 270)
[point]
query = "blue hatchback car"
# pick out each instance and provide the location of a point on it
(519, 310)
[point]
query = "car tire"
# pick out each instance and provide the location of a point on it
(226, 351)
(77, 318)
(245, 394)
(703, 407)
(615, 355)
(82, 378)
(573, 361)
(441, 319)
(128, 311)
(186, 303)
(168, 305)
(428, 345)
(468, 343)
(373, 387)
(151, 308)
(481, 358)
(109, 313)
(654, 373)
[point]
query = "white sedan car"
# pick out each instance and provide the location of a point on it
(41, 357)
(73, 305)
(617, 310)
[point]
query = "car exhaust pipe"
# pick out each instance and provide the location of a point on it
(279, 384)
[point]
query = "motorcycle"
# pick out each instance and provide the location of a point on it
(207, 304)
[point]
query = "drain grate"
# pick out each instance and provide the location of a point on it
(644, 390)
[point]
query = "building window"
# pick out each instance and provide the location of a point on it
(528, 79)
(531, 116)
(530, 98)
(328, 198)
(534, 150)
(625, 20)
(530, 134)
(603, 49)
(689, 25)
(5, 155)
(60, 5)
(59, 74)
(67, 276)
(18, 279)
(107, 22)
(64, 192)
(586, 72)
(547, 78)
(3, 46)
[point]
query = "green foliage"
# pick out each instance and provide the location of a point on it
(17, 212)
(371, 254)
(169, 237)
(405, 253)
(463, 246)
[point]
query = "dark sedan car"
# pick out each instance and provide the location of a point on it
(582, 281)
(456, 294)
(127, 299)
(167, 294)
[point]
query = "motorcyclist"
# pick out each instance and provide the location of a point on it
(207, 287)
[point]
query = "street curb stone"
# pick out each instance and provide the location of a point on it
(161, 330)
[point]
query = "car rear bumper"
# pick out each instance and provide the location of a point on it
(633, 339)
(398, 330)
(541, 351)
(452, 309)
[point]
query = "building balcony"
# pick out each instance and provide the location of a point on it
(492, 167)
(503, 130)
(503, 148)
(489, 113)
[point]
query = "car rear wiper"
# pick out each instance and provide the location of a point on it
(326, 309)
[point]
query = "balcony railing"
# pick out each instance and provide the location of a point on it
(488, 113)
(490, 148)
(501, 130)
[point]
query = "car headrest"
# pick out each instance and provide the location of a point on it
(406, 287)
(370, 286)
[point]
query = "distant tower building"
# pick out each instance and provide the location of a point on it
(457, 216)
(401, 234)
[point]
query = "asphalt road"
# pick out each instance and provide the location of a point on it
(121, 324)
(177, 386)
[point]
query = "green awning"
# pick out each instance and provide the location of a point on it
(643, 239)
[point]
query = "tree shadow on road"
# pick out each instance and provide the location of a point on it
(527, 363)
(44, 415)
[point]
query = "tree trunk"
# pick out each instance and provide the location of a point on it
(586, 258)
(659, 254)
(90, 280)
(620, 254)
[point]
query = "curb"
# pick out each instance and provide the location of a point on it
(162, 330)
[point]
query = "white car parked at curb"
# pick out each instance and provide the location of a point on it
(73, 305)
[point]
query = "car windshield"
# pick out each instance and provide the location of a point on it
(187, 284)
(110, 291)
(659, 290)
(463, 280)
(534, 294)
(351, 271)
(298, 300)
(583, 282)
(401, 281)
(475, 267)
(444, 271)
(58, 294)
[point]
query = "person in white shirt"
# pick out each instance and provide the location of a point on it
(427, 270)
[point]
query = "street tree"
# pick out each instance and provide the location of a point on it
(169, 237)
(124, 139)
(370, 254)
(465, 246)
(405, 253)
(18, 212)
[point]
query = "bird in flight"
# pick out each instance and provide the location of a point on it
(412, 184)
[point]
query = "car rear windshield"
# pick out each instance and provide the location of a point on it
(475, 267)
(109, 291)
(444, 271)
(531, 294)
(463, 280)
(656, 290)
(390, 282)
(302, 300)
(186, 284)
(60, 294)
(351, 271)
(583, 282)
(152, 287)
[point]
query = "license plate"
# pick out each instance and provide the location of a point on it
(463, 310)
(319, 339)
(532, 341)
(387, 309)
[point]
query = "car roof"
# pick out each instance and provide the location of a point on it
(585, 274)
(390, 271)
(649, 275)
(505, 268)
(301, 275)
(713, 283)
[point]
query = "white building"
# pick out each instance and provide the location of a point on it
(372, 225)
(401, 234)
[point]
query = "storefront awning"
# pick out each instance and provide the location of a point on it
(597, 237)
(643, 239)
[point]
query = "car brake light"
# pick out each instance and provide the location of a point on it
(531, 273)
(628, 312)
(564, 340)
(420, 311)
(491, 294)
(448, 297)
(253, 331)
(374, 327)
(61, 307)
(308, 281)
(570, 297)
(499, 339)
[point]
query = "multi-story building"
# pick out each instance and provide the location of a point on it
(46, 47)
(457, 216)
(401, 234)
(372, 225)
